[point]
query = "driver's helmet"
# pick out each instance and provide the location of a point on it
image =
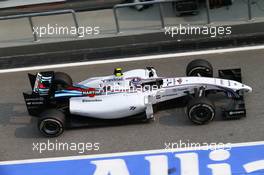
(118, 72)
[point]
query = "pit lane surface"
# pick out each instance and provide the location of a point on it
(18, 130)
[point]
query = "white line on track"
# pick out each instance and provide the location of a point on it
(164, 56)
(13, 162)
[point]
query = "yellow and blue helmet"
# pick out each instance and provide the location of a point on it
(118, 72)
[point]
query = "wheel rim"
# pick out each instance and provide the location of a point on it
(50, 127)
(201, 72)
(201, 113)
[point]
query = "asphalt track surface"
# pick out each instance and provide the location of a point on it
(18, 130)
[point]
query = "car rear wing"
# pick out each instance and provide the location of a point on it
(36, 99)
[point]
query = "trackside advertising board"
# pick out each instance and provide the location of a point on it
(240, 159)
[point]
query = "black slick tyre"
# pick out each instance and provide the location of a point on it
(200, 110)
(61, 80)
(51, 123)
(199, 67)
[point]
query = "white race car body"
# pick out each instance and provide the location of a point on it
(128, 95)
(132, 96)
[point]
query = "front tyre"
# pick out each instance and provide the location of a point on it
(51, 123)
(199, 67)
(200, 110)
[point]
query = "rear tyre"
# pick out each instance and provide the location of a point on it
(51, 123)
(199, 67)
(61, 81)
(200, 110)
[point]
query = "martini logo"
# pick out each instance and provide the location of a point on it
(91, 92)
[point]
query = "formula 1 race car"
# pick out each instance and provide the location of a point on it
(132, 96)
